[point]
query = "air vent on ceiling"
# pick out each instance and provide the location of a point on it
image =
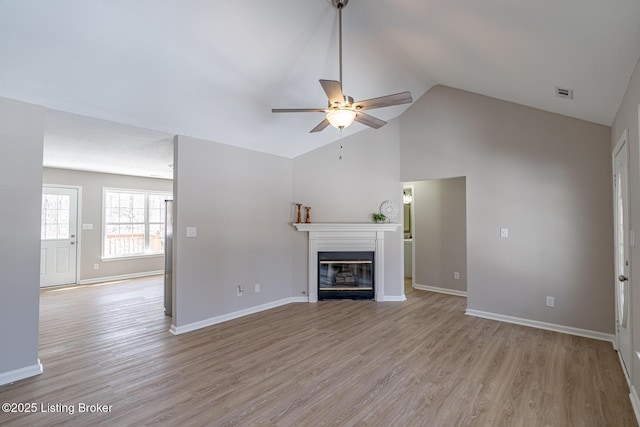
(564, 93)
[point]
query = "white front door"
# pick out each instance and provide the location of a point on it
(58, 231)
(621, 236)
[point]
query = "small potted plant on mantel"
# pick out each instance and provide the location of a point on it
(378, 217)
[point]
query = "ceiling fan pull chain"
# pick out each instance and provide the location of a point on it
(340, 158)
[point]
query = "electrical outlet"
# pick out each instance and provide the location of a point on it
(240, 291)
(456, 275)
(96, 266)
(257, 287)
(551, 302)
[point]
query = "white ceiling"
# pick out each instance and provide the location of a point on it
(213, 69)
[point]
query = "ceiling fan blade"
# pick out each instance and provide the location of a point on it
(323, 124)
(333, 89)
(368, 120)
(298, 110)
(384, 101)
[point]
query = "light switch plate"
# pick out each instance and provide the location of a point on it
(504, 233)
(192, 231)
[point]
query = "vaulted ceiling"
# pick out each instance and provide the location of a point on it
(213, 69)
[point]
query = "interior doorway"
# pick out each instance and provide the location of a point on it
(438, 235)
(408, 213)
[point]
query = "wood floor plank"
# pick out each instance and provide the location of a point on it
(335, 363)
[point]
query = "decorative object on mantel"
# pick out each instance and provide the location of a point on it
(308, 215)
(378, 217)
(389, 209)
(299, 213)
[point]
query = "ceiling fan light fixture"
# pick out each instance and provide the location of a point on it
(342, 110)
(341, 118)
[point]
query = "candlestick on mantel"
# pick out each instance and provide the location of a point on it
(308, 216)
(299, 216)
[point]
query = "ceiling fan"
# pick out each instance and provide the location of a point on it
(342, 110)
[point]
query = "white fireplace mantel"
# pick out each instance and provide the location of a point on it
(366, 237)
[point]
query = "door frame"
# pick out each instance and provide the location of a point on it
(412, 216)
(78, 225)
(623, 144)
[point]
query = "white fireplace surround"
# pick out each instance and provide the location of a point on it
(346, 237)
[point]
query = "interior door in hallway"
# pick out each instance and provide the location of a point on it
(623, 284)
(58, 231)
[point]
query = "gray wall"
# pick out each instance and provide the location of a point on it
(350, 190)
(21, 139)
(544, 176)
(240, 202)
(91, 213)
(440, 233)
(627, 118)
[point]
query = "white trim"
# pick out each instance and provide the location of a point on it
(542, 325)
(20, 374)
(348, 226)
(393, 298)
(78, 189)
(412, 229)
(440, 290)
(619, 353)
(635, 403)
(130, 257)
(177, 330)
(622, 146)
(365, 237)
(120, 277)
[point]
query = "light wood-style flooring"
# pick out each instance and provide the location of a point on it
(422, 362)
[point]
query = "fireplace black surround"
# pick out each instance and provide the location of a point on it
(346, 275)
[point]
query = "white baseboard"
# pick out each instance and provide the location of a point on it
(440, 290)
(389, 298)
(542, 325)
(120, 277)
(177, 330)
(635, 403)
(20, 374)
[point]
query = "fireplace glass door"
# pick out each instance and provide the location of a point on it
(345, 275)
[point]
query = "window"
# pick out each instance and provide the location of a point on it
(133, 223)
(55, 217)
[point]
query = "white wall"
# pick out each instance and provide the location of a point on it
(627, 118)
(21, 139)
(544, 176)
(350, 190)
(92, 184)
(240, 202)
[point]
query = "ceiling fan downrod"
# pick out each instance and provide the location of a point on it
(340, 4)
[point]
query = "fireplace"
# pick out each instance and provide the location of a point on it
(346, 275)
(345, 238)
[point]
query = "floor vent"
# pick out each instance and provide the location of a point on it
(564, 93)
